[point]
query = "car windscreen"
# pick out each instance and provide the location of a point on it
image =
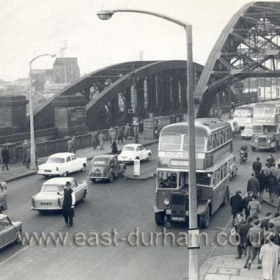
(52, 188)
(55, 160)
(128, 148)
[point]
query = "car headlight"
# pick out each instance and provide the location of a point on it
(166, 201)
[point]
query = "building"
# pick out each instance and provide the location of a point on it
(66, 70)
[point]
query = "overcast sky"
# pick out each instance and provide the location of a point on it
(32, 27)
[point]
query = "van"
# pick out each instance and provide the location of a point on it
(247, 132)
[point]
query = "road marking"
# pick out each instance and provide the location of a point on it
(14, 255)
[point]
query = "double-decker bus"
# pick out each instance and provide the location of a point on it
(243, 115)
(266, 130)
(213, 139)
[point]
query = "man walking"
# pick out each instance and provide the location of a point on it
(270, 258)
(5, 158)
(246, 201)
(254, 206)
(272, 186)
(257, 166)
(243, 231)
(237, 204)
(254, 239)
(68, 204)
(262, 178)
(253, 185)
(101, 138)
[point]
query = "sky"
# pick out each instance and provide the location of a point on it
(32, 27)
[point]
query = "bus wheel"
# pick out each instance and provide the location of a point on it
(159, 218)
(204, 219)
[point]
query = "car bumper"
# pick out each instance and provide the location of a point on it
(48, 173)
(45, 208)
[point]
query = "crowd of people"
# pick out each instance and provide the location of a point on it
(258, 235)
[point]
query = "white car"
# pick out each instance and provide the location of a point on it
(130, 152)
(247, 132)
(62, 164)
(51, 195)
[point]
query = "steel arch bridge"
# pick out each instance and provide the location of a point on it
(118, 92)
(249, 46)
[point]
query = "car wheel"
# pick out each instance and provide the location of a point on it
(149, 157)
(19, 237)
(83, 168)
(253, 149)
(93, 180)
(159, 218)
(65, 174)
(111, 177)
(84, 196)
(204, 219)
(46, 176)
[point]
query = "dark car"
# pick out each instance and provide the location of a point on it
(106, 167)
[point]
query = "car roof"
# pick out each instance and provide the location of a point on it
(3, 216)
(132, 145)
(104, 156)
(62, 155)
(58, 181)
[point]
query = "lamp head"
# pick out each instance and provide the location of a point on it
(105, 14)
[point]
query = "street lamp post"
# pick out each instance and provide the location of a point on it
(31, 117)
(193, 254)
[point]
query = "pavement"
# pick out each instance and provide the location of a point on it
(18, 170)
(228, 268)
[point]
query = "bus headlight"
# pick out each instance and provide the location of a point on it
(268, 140)
(166, 201)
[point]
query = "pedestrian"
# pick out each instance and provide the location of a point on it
(257, 166)
(270, 160)
(101, 138)
(24, 151)
(94, 140)
(237, 222)
(254, 241)
(120, 134)
(70, 145)
(127, 131)
(246, 201)
(111, 129)
(141, 127)
(254, 206)
(243, 231)
(276, 221)
(5, 158)
(272, 168)
(68, 204)
(272, 186)
(156, 132)
(237, 204)
(28, 151)
(265, 221)
(114, 147)
(262, 178)
(253, 185)
(270, 258)
(277, 172)
(74, 143)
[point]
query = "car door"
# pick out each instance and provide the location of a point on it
(77, 189)
(8, 231)
(75, 164)
(68, 164)
(116, 167)
(141, 152)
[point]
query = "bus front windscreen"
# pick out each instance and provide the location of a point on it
(199, 143)
(170, 143)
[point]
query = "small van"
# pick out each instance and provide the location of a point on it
(247, 132)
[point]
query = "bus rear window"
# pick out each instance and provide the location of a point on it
(199, 143)
(170, 143)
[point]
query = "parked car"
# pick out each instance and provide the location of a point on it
(247, 132)
(62, 164)
(233, 167)
(106, 167)
(9, 231)
(51, 195)
(3, 196)
(130, 152)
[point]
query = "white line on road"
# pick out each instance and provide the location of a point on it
(14, 255)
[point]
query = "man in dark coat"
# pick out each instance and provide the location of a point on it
(257, 166)
(262, 178)
(253, 185)
(243, 231)
(237, 204)
(272, 186)
(68, 205)
(5, 158)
